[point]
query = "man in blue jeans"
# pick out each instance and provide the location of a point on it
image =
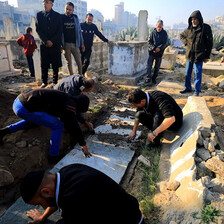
(156, 45)
(198, 39)
(44, 107)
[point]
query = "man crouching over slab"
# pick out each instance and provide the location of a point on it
(157, 111)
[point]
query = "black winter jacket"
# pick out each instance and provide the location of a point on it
(198, 40)
(157, 40)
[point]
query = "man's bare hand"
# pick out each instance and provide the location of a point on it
(86, 151)
(83, 48)
(151, 137)
(49, 43)
(132, 135)
(156, 50)
(35, 215)
(206, 60)
(89, 125)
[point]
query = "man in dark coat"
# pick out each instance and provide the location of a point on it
(198, 40)
(156, 45)
(75, 85)
(89, 29)
(157, 111)
(49, 29)
(44, 107)
(84, 195)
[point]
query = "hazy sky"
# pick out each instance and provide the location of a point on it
(170, 11)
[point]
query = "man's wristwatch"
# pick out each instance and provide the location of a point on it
(154, 134)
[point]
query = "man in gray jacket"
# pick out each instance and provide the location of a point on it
(156, 45)
(73, 39)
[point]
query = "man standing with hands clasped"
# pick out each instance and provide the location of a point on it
(198, 40)
(49, 29)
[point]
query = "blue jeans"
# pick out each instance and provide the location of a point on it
(39, 118)
(158, 61)
(197, 76)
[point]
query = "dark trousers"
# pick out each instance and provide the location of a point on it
(85, 56)
(44, 72)
(30, 64)
(158, 61)
(151, 122)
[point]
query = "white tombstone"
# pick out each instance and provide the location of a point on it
(8, 28)
(33, 26)
(142, 25)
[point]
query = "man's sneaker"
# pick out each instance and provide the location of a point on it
(43, 85)
(185, 91)
(55, 159)
(196, 94)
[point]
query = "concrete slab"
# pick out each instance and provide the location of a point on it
(107, 128)
(107, 158)
(214, 69)
(170, 87)
(179, 162)
(16, 214)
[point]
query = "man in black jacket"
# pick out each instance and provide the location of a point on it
(88, 31)
(44, 107)
(157, 111)
(84, 195)
(198, 39)
(49, 29)
(156, 45)
(76, 85)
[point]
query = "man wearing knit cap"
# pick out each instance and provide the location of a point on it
(198, 40)
(156, 45)
(44, 107)
(84, 195)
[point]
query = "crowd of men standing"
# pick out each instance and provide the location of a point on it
(63, 33)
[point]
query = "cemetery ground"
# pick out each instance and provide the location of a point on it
(27, 150)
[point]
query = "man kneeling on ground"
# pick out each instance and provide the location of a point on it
(158, 111)
(84, 194)
(44, 107)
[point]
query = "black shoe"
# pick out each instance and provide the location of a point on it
(196, 94)
(154, 81)
(55, 159)
(185, 91)
(3, 132)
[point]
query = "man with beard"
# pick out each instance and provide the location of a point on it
(198, 40)
(49, 29)
(72, 38)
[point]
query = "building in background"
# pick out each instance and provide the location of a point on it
(20, 17)
(33, 6)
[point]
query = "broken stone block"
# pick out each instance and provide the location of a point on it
(211, 146)
(206, 142)
(203, 154)
(206, 132)
(215, 165)
(169, 185)
(205, 180)
(220, 155)
(6, 178)
(216, 185)
(203, 171)
(197, 159)
(145, 161)
(221, 84)
(21, 144)
(200, 139)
